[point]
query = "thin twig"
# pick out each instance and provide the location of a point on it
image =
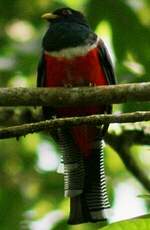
(22, 130)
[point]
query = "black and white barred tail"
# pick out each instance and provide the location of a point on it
(84, 181)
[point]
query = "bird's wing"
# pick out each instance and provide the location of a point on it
(41, 72)
(41, 76)
(106, 63)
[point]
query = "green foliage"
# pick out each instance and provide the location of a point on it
(144, 196)
(129, 35)
(134, 224)
(28, 192)
(12, 208)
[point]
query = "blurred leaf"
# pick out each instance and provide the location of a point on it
(134, 224)
(122, 18)
(61, 225)
(11, 209)
(143, 217)
(144, 196)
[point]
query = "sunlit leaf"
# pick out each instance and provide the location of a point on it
(134, 224)
(144, 196)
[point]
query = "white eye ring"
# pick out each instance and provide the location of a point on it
(66, 12)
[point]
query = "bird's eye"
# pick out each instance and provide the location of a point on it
(66, 12)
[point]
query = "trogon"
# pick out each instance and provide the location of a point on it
(74, 56)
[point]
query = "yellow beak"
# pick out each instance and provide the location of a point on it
(49, 16)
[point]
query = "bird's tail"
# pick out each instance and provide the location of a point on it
(93, 204)
(85, 183)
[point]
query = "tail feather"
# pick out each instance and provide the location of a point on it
(84, 182)
(93, 204)
(79, 212)
(73, 165)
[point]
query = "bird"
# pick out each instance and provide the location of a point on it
(74, 56)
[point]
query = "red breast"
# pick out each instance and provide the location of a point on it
(80, 71)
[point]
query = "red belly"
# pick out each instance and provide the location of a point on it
(80, 71)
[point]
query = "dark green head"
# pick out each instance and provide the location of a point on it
(66, 15)
(67, 28)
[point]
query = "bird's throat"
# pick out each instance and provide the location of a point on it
(72, 52)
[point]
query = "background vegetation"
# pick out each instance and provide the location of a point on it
(31, 192)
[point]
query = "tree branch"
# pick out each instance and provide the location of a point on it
(61, 96)
(22, 130)
(11, 116)
(122, 143)
(83, 96)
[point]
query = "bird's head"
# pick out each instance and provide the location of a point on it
(65, 15)
(67, 28)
